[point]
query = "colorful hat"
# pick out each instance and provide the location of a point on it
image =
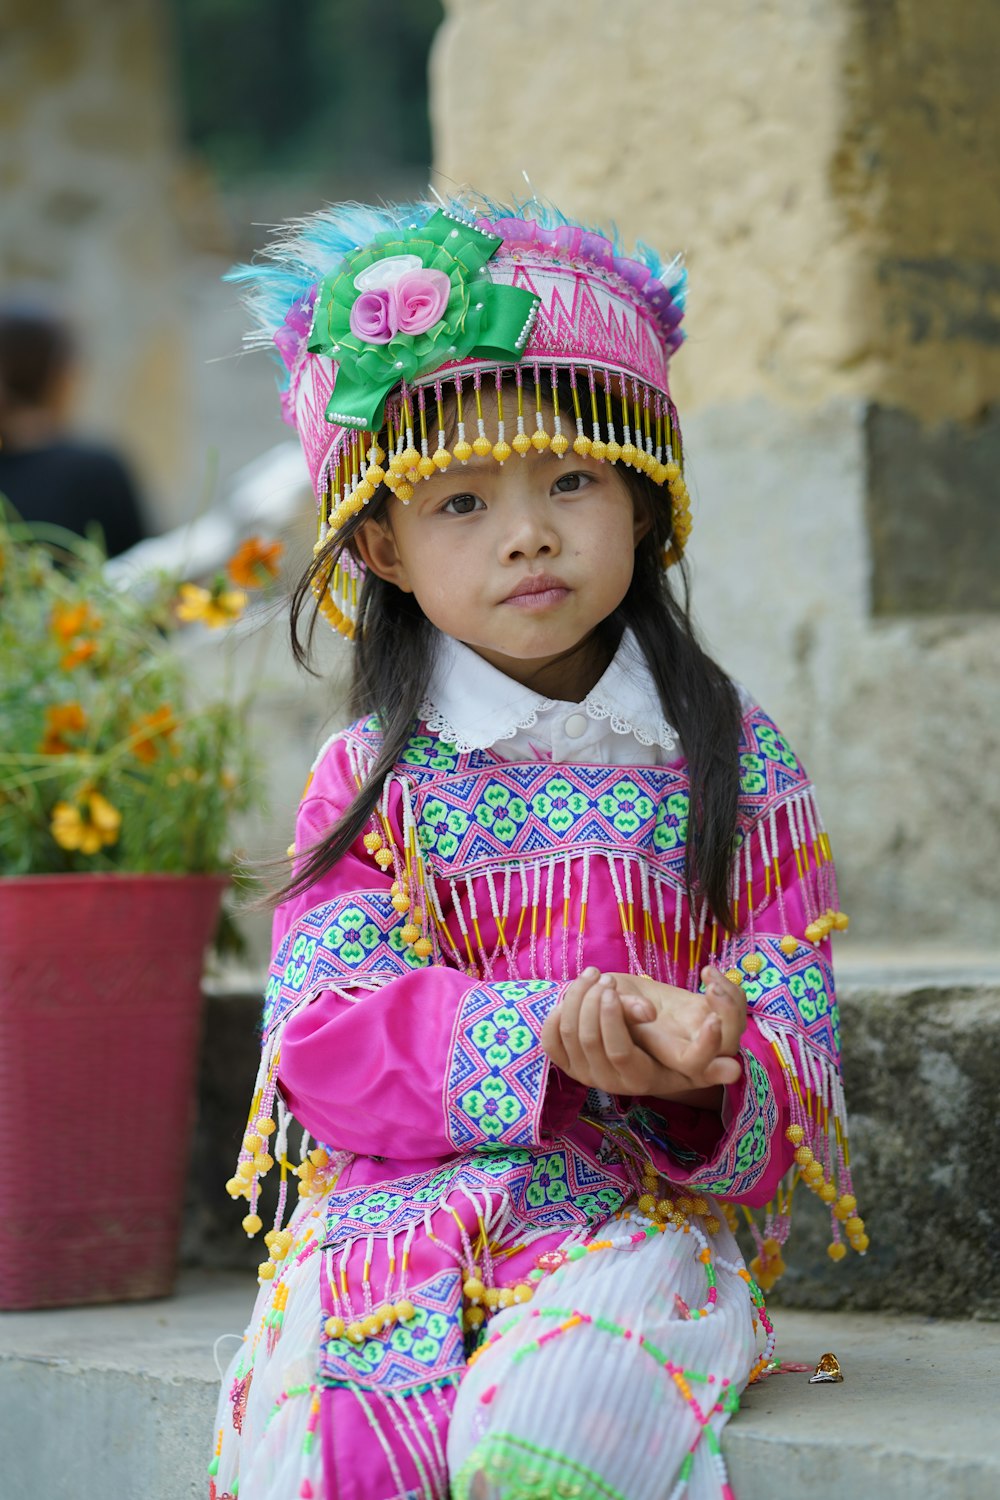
(391, 320)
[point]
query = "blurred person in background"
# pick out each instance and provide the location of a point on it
(47, 474)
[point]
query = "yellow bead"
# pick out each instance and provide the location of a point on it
(245, 1171)
(266, 1270)
(506, 1298)
(673, 471)
(263, 1162)
(613, 451)
(463, 451)
(540, 439)
(582, 445)
(813, 1173)
(559, 444)
(629, 453)
(841, 921)
(410, 932)
(355, 1333)
(523, 1292)
(374, 475)
(318, 1156)
(474, 1317)
(788, 945)
(372, 841)
(252, 1142)
(734, 976)
(401, 902)
(521, 443)
(836, 1251)
(846, 1205)
(482, 447)
(405, 1310)
(441, 458)
(501, 452)
(647, 1205)
(491, 1296)
(362, 494)
(383, 858)
(685, 1205)
(814, 933)
(234, 1187)
(664, 1208)
(270, 1237)
(753, 963)
(397, 464)
(409, 457)
(658, 473)
(370, 1325)
(474, 1289)
(252, 1224)
(425, 468)
(804, 1156)
(860, 1243)
(712, 1224)
(700, 1206)
(828, 1192)
(423, 947)
(795, 1134)
(386, 1315)
(404, 491)
(598, 448)
(334, 1328)
(852, 1226)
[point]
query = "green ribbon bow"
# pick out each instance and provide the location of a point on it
(480, 318)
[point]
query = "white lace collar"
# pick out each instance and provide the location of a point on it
(473, 706)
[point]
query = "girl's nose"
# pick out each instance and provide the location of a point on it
(529, 532)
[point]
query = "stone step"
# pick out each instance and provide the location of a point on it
(119, 1401)
(921, 1032)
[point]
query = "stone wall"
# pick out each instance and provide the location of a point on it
(86, 177)
(829, 170)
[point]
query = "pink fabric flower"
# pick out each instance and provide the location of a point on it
(421, 298)
(373, 316)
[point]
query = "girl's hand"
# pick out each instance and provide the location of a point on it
(590, 1037)
(646, 1000)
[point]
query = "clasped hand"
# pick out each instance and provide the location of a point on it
(627, 1034)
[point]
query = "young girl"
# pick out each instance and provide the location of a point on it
(551, 989)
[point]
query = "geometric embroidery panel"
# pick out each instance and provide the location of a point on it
(558, 1188)
(428, 1348)
(796, 994)
(335, 943)
(745, 1159)
(492, 1093)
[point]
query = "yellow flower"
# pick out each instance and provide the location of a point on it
(61, 719)
(69, 621)
(86, 825)
(255, 563)
(215, 607)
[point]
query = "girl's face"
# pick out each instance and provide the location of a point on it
(521, 561)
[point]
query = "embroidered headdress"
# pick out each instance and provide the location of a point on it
(391, 320)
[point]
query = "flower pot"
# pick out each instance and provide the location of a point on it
(100, 1006)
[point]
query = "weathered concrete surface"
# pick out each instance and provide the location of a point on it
(920, 1076)
(920, 1049)
(99, 1402)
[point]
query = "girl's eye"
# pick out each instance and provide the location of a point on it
(567, 484)
(462, 505)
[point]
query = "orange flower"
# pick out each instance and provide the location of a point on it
(255, 563)
(86, 825)
(69, 620)
(152, 727)
(215, 607)
(61, 719)
(79, 652)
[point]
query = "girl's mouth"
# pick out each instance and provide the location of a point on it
(538, 592)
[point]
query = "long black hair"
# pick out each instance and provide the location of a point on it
(394, 656)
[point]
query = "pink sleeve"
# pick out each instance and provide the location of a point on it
(384, 1052)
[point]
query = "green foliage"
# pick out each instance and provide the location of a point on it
(334, 88)
(105, 762)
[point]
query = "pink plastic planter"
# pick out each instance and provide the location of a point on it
(100, 1004)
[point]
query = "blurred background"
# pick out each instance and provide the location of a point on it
(828, 167)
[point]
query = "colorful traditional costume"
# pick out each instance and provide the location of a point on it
(494, 1274)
